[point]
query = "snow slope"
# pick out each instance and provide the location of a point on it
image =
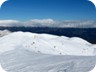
(21, 60)
(30, 52)
(47, 44)
(4, 32)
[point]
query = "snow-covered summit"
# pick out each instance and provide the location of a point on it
(46, 44)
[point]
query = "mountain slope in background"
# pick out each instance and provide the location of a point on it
(88, 34)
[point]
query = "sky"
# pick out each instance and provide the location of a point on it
(24, 10)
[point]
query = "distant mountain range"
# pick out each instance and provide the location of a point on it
(88, 34)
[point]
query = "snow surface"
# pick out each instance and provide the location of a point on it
(47, 44)
(31, 52)
(21, 60)
(4, 32)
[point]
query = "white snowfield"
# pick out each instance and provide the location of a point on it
(4, 32)
(30, 52)
(47, 44)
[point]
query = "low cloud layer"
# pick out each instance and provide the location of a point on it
(9, 23)
(49, 23)
(43, 21)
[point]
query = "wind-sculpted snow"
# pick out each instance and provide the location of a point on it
(20, 60)
(30, 52)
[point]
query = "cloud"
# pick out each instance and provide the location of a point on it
(33, 23)
(50, 23)
(43, 21)
(40, 22)
(9, 23)
(78, 24)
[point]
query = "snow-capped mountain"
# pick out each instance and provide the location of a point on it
(31, 52)
(47, 44)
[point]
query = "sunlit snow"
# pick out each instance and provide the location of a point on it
(31, 52)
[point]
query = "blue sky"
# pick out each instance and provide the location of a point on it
(44, 9)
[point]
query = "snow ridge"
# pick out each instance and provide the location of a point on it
(46, 44)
